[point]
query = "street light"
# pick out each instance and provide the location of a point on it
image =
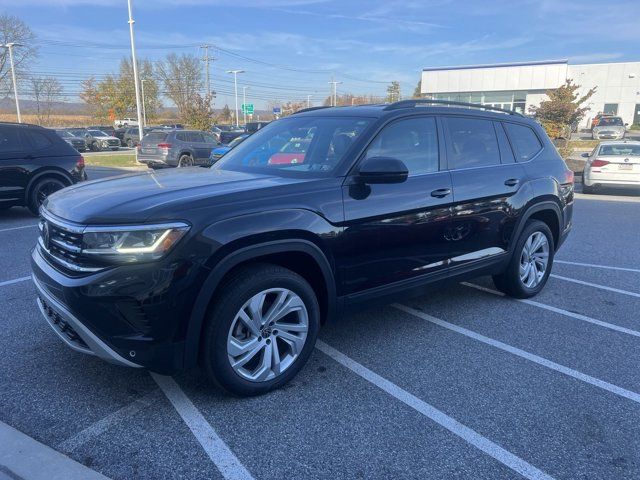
(9, 46)
(135, 72)
(235, 86)
(244, 104)
(144, 109)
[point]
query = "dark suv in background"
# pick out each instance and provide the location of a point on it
(35, 162)
(237, 266)
(176, 148)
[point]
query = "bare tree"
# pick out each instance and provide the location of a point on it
(182, 79)
(13, 29)
(45, 91)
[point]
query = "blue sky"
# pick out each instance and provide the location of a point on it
(291, 48)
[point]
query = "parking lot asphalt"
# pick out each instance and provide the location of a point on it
(461, 383)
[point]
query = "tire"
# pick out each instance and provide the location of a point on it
(590, 190)
(95, 147)
(223, 324)
(129, 143)
(185, 160)
(510, 281)
(41, 190)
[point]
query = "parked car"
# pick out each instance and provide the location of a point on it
(131, 138)
(218, 152)
(34, 163)
(98, 140)
(176, 148)
(77, 132)
(76, 142)
(238, 266)
(119, 134)
(172, 126)
(126, 122)
(104, 128)
(252, 127)
(609, 128)
(596, 120)
(292, 153)
(227, 136)
(612, 164)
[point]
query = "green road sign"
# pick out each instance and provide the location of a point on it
(247, 108)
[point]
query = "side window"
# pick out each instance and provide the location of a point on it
(208, 138)
(471, 142)
(9, 140)
(197, 137)
(524, 141)
(38, 140)
(181, 136)
(413, 140)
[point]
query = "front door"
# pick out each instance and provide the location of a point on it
(396, 232)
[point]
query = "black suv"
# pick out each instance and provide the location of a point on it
(237, 266)
(35, 162)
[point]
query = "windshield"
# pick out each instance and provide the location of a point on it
(97, 133)
(327, 138)
(620, 150)
(64, 134)
(236, 141)
(610, 122)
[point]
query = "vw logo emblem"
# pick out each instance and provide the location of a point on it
(626, 160)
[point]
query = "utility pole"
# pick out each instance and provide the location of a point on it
(335, 95)
(206, 60)
(135, 72)
(244, 103)
(308, 101)
(235, 87)
(9, 46)
(144, 109)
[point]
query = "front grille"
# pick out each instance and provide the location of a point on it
(62, 326)
(62, 245)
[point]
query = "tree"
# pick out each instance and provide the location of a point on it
(563, 108)
(45, 91)
(292, 107)
(417, 92)
(225, 116)
(393, 92)
(13, 29)
(199, 113)
(181, 76)
(351, 99)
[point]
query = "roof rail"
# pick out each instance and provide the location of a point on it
(310, 109)
(430, 101)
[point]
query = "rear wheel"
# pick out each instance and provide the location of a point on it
(185, 161)
(41, 190)
(129, 143)
(261, 330)
(530, 265)
(586, 188)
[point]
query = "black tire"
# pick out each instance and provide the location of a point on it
(95, 147)
(41, 190)
(129, 143)
(240, 286)
(509, 281)
(185, 160)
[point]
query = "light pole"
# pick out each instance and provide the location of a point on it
(335, 95)
(308, 101)
(144, 109)
(9, 46)
(235, 86)
(244, 104)
(135, 71)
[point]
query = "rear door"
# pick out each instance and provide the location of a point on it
(489, 188)
(15, 165)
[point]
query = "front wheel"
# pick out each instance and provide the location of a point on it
(530, 265)
(261, 330)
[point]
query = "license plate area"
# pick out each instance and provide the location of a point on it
(625, 166)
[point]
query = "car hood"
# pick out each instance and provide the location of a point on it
(154, 196)
(612, 128)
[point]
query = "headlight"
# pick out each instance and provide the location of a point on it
(132, 244)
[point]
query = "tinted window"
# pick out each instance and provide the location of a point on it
(208, 138)
(181, 136)
(9, 139)
(524, 141)
(196, 137)
(38, 140)
(414, 141)
(155, 137)
(471, 143)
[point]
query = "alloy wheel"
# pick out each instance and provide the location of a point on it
(267, 334)
(185, 161)
(534, 259)
(47, 189)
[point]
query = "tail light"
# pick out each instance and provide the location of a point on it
(568, 176)
(165, 147)
(599, 163)
(80, 162)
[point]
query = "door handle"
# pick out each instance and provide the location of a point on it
(441, 192)
(512, 182)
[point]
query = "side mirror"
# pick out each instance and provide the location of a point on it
(382, 170)
(585, 155)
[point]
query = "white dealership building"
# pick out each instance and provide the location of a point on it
(518, 86)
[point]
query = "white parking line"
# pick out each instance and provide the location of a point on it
(596, 285)
(104, 424)
(482, 443)
(561, 311)
(591, 265)
(596, 382)
(218, 451)
(18, 228)
(15, 280)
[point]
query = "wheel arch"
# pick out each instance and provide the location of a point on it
(299, 255)
(546, 211)
(43, 173)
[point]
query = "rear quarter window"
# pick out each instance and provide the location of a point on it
(523, 140)
(38, 140)
(155, 137)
